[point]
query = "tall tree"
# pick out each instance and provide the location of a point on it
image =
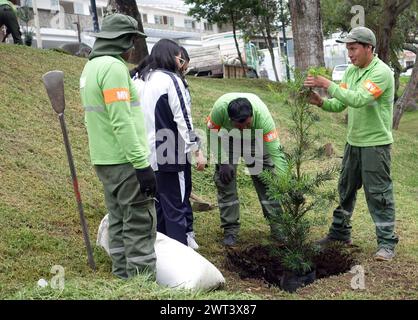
(307, 33)
(410, 95)
(263, 19)
(392, 9)
(221, 12)
(130, 8)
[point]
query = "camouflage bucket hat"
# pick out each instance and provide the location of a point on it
(117, 24)
(360, 34)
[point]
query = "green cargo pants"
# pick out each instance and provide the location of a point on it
(132, 221)
(228, 201)
(9, 19)
(368, 167)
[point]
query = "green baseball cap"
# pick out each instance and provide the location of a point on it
(117, 24)
(360, 34)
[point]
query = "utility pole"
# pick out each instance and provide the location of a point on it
(78, 28)
(37, 27)
(94, 14)
(284, 40)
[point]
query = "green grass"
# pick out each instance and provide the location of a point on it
(403, 82)
(409, 123)
(39, 221)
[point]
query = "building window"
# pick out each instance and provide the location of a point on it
(409, 63)
(55, 5)
(171, 21)
(164, 20)
(190, 24)
(68, 7)
(158, 19)
(79, 8)
(144, 18)
(208, 26)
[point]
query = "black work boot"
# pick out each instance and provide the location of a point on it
(327, 240)
(230, 240)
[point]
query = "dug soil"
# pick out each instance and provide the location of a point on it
(263, 262)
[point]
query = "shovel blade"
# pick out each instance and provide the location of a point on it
(54, 85)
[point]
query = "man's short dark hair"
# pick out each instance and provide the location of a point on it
(366, 45)
(240, 109)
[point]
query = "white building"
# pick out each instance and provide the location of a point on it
(169, 19)
(59, 19)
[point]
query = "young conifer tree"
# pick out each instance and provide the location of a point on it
(298, 190)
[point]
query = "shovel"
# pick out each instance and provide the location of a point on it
(54, 84)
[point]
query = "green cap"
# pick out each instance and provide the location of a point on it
(360, 34)
(118, 24)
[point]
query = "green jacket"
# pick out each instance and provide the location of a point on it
(113, 117)
(368, 93)
(262, 120)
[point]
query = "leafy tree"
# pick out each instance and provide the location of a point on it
(130, 8)
(221, 12)
(263, 18)
(25, 14)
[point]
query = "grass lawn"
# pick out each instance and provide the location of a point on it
(40, 225)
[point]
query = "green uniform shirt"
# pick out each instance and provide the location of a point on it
(113, 117)
(368, 93)
(6, 2)
(262, 120)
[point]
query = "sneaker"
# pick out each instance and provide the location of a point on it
(191, 241)
(328, 240)
(384, 254)
(230, 240)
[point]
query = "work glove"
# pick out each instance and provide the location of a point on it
(147, 182)
(226, 173)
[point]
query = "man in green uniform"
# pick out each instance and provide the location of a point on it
(367, 90)
(119, 147)
(240, 124)
(8, 17)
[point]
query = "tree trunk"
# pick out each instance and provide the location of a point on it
(234, 30)
(307, 33)
(392, 10)
(269, 43)
(130, 8)
(409, 97)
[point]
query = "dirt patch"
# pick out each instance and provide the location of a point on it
(263, 262)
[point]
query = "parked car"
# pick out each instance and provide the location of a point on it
(77, 49)
(337, 73)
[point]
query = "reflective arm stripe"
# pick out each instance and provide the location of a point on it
(270, 136)
(373, 88)
(116, 95)
(212, 125)
(134, 104)
(94, 109)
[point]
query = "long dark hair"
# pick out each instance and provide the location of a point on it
(184, 54)
(162, 57)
